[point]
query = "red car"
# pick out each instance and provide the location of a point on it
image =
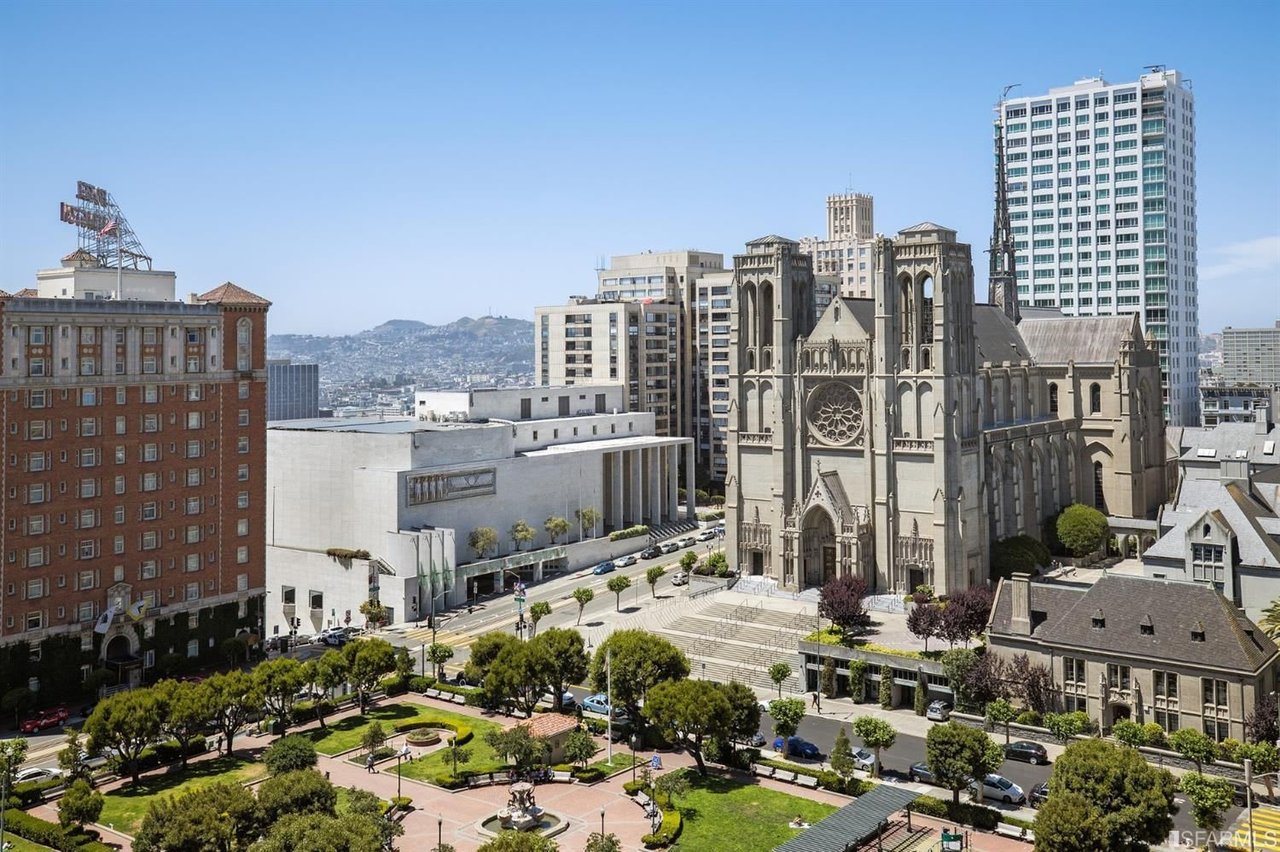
(49, 718)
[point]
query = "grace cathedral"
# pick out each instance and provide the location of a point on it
(897, 436)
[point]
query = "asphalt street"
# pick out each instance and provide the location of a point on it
(908, 749)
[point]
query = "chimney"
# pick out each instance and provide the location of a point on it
(1020, 593)
(1260, 424)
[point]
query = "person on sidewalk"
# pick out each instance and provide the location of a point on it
(368, 763)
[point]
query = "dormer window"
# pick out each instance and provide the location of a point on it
(1206, 532)
(1098, 620)
(1197, 632)
(1147, 629)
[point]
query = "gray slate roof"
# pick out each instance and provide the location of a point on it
(925, 227)
(770, 239)
(862, 313)
(1247, 517)
(996, 337)
(1231, 641)
(1084, 340)
(852, 824)
(1227, 439)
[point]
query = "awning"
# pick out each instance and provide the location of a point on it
(853, 824)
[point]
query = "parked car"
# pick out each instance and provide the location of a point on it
(670, 546)
(687, 541)
(36, 773)
(567, 700)
(864, 759)
(706, 535)
(938, 711)
(337, 637)
(605, 567)
(679, 578)
(797, 747)
(626, 561)
(597, 703)
(757, 740)
(651, 552)
(1032, 753)
(1000, 788)
(1038, 794)
(920, 772)
(49, 718)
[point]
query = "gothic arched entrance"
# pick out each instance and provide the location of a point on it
(818, 547)
(119, 650)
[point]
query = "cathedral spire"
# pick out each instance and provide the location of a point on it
(1003, 279)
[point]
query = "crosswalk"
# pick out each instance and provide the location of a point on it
(1266, 830)
(415, 636)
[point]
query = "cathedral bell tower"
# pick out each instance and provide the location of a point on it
(773, 305)
(926, 427)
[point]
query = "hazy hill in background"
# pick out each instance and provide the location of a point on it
(485, 350)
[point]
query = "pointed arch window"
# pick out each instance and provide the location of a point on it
(244, 344)
(1053, 398)
(1095, 398)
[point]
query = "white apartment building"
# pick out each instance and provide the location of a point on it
(846, 252)
(384, 507)
(637, 343)
(1251, 355)
(714, 306)
(1102, 201)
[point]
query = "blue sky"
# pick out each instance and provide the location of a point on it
(359, 162)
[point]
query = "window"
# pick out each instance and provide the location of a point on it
(1095, 398)
(194, 476)
(1053, 399)
(194, 449)
(193, 562)
(192, 535)
(195, 393)
(192, 592)
(1073, 670)
(35, 588)
(243, 390)
(85, 613)
(150, 452)
(194, 506)
(151, 423)
(195, 419)
(244, 344)
(193, 647)
(86, 580)
(88, 488)
(35, 620)
(88, 549)
(242, 445)
(150, 540)
(243, 417)
(148, 570)
(1118, 677)
(150, 481)
(120, 425)
(242, 526)
(242, 500)
(242, 555)
(242, 471)
(37, 430)
(37, 556)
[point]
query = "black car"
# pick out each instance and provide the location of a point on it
(651, 552)
(1027, 751)
(1038, 794)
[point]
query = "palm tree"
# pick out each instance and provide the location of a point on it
(1270, 622)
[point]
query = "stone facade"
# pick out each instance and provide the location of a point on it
(900, 434)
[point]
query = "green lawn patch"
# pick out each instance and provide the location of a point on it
(125, 807)
(835, 636)
(755, 817)
(345, 734)
(18, 844)
(437, 767)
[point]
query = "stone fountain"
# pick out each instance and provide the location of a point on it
(522, 812)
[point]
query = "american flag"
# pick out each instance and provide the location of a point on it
(110, 228)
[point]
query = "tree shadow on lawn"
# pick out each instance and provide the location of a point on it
(629, 609)
(159, 782)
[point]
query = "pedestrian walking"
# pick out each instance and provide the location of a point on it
(368, 763)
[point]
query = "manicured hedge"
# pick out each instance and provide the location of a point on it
(463, 732)
(629, 532)
(827, 779)
(978, 816)
(32, 792)
(667, 833)
(418, 683)
(50, 834)
(631, 788)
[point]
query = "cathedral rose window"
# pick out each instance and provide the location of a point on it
(835, 413)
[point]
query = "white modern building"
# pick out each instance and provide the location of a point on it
(1102, 201)
(1252, 355)
(384, 508)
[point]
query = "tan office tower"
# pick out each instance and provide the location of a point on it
(846, 252)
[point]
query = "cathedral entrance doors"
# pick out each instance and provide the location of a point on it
(915, 577)
(757, 563)
(818, 548)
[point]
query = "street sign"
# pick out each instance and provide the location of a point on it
(520, 599)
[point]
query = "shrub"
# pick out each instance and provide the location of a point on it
(978, 816)
(667, 833)
(631, 788)
(1082, 529)
(422, 737)
(290, 753)
(346, 553)
(629, 532)
(1019, 554)
(402, 803)
(886, 687)
(858, 680)
(51, 834)
(394, 685)
(462, 733)
(590, 774)
(1029, 717)
(418, 683)
(1229, 750)
(32, 792)
(1154, 735)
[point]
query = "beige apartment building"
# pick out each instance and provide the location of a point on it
(845, 258)
(1174, 653)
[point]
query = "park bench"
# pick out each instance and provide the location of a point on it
(807, 781)
(561, 775)
(1005, 830)
(762, 771)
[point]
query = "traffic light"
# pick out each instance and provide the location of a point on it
(297, 622)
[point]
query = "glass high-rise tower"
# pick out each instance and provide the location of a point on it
(1102, 203)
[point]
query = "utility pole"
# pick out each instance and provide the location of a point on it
(608, 673)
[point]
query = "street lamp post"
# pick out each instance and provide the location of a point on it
(602, 821)
(439, 831)
(633, 758)
(1248, 794)
(399, 757)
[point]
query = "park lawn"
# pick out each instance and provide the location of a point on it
(438, 765)
(755, 817)
(345, 734)
(126, 806)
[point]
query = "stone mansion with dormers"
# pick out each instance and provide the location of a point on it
(898, 435)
